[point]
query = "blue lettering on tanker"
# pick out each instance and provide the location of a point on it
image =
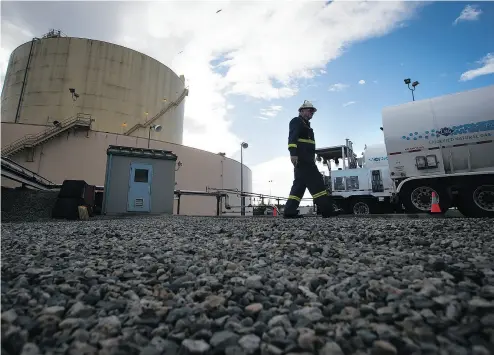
(468, 128)
(376, 159)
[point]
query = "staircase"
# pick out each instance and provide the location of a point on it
(32, 140)
(159, 114)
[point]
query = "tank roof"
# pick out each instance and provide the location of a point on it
(64, 36)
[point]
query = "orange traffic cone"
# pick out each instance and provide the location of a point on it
(435, 204)
(275, 211)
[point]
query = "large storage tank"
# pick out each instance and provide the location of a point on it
(123, 90)
(120, 88)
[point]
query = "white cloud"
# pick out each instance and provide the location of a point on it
(375, 82)
(338, 87)
(349, 103)
(361, 82)
(469, 13)
(487, 68)
(13, 35)
(270, 112)
(258, 62)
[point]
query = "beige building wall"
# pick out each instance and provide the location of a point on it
(117, 86)
(82, 155)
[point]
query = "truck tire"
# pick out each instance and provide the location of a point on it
(362, 206)
(477, 199)
(416, 196)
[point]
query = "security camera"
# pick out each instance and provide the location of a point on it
(408, 81)
(72, 90)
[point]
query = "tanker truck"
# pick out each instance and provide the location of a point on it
(443, 145)
(359, 185)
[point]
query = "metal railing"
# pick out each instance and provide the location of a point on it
(252, 194)
(30, 140)
(16, 172)
(159, 114)
(219, 197)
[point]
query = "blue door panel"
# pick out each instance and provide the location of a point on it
(139, 196)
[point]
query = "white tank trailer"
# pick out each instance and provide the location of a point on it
(360, 185)
(443, 145)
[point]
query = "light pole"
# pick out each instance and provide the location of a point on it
(154, 127)
(243, 146)
(412, 89)
(270, 181)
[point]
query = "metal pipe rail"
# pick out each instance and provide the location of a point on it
(13, 171)
(252, 194)
(159, 114)
(218, 196)
(31, 140)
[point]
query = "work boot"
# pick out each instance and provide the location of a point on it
(290, 216)
(331, 214)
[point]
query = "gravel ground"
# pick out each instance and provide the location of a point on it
(27, 205)
(192, 285)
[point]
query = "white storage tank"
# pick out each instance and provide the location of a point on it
(120, 88)
(375, 156)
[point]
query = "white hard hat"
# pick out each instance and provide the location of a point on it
(307, 104)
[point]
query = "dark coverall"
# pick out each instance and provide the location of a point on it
(301, 144)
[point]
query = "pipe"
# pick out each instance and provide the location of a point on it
(242, 203)
(24, 81)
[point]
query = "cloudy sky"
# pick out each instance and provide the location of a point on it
(252, 64)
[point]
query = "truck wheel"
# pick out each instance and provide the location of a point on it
(477, 200)
(361, 207)
(417, 197)
(335, 206)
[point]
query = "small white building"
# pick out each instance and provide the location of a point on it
(139, 180)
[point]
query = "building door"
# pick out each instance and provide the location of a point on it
(139, 197)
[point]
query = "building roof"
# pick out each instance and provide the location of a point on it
(140, 152)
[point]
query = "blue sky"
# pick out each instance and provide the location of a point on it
(256, 59)
(429, 48)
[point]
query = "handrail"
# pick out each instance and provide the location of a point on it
(32, 139)
(19, 169)
(159, 114)
(252, 194)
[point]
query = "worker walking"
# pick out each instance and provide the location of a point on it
(302, 146)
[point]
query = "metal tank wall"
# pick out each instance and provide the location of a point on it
(118, 86)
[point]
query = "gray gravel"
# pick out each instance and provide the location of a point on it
(192, 285)
(22, 205)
